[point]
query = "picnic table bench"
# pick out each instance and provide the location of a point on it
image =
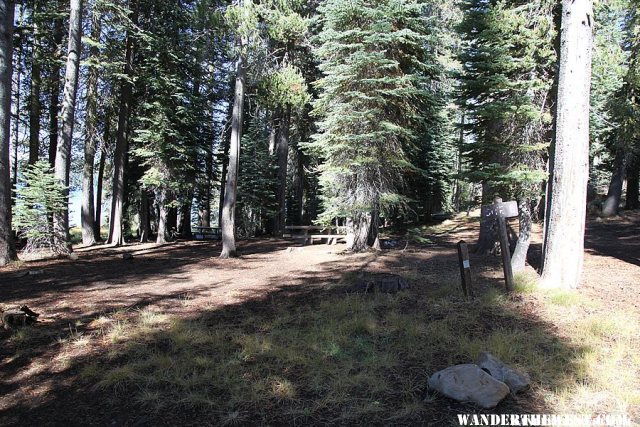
(308, 233)
(207, 233)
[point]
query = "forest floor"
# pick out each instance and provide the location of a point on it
(176, 336)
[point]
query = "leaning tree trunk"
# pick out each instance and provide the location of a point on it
(519, 257)
(228, 216)
(611, 203)
(88, 209)
(63, 153)
(116, 231)
(563, 251)
(7, 248)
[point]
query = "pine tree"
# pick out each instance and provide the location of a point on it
(508, 64)
(371, 56)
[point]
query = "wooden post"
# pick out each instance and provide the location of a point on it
(465, 268)
(504, 245)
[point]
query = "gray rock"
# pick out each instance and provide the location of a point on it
(73, 256)
(127, 256)
(469, 383)
(516, 381)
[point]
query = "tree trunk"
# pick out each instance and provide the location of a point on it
(519, 256)
(97, 219)
(7, 248)
(163, 217)
(230, 194)
(63, 153)
(358, 229)
(145, 226)
(18, 113)
(282, 151)
(116, 231)
(633, 184)
(488, 237)
(88, 209)
(612, 202)
(54, 87)
(35, 107)
(185, 220)
(563, 252)
(226, 140)
(298, 188)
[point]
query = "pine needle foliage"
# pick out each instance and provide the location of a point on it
(371, 55)
(38, 197)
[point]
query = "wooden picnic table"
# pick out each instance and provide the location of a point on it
(306, 233)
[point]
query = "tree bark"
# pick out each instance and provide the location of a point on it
(145, 226)
(54, 87)
(226, 138)
(7, 247)
(282, 151)
(88, 208)
(612, 202)
(633, 184)
(298, 188)
(488, 237)
(97, 219)
(163, 217)
(230, 194)
(519, 256)
(63, 153)
(563, 252)
(35, 107)
(185, 219)
(116, 231)
(358, 229)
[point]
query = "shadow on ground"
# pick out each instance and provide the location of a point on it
(305, 352)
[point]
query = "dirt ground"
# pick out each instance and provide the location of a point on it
(185, 278)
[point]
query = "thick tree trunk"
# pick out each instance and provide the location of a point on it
(230, 194)
(116, 230)
(282, 151)
(18, 112)
(563, 252)
(358, 229)
(35, 107)
(7, 248)
(54, 87)
(88, 209)
(612, 202)
(633, 184)
(519, 257)
(63, 153)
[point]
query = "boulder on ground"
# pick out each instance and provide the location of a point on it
(516, 381)
(469, 383)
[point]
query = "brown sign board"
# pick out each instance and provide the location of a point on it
(504, 209)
